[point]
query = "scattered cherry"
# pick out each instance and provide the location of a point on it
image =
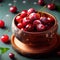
(2, 23)
(51, 6)
(41, 2)
(23, 13)
(20, 25)
(5, 38)
(11, 55)
(13, 9)
(18, 19)
(31, 10)
(40, 27)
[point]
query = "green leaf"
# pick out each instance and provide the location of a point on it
(3, 50)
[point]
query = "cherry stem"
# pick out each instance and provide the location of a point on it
(42, 8)
(6, 31)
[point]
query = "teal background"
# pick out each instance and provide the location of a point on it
(4, 11)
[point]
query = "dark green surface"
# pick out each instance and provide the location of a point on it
(4, 10)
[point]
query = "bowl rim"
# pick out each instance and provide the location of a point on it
(42, 31)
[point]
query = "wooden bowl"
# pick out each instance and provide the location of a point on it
(35, 38)
(30, 51)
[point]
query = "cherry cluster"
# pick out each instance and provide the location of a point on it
(50, 6)
(34, 21)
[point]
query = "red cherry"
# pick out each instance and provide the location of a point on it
(44, 20)
(40, 27)
(13, 9)
(5, 38)
(31, 10)
(29, 27)
(26, 20)
(51, 6)
(34, 16)
(24, 13)
(50, 19)
(50, 23)
(20, 25)
(41, 2)
(36, 22)
(18, 19)
(2, 23)
(11, 55)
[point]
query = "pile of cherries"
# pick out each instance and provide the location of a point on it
(34, 21)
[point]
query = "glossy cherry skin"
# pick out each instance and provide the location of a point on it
(26, 21)
(41, 2)
(20, 25)
(11, 55)
(5, 38)
(29, 27)
(50, 23)
(34, 16)
(36, 22)
(51, 6)
(44, 20)
(2, 23)
(31, 10)
(13, 9)
(51, 20)
(40, 27)
(18, 19)
(23, 13)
